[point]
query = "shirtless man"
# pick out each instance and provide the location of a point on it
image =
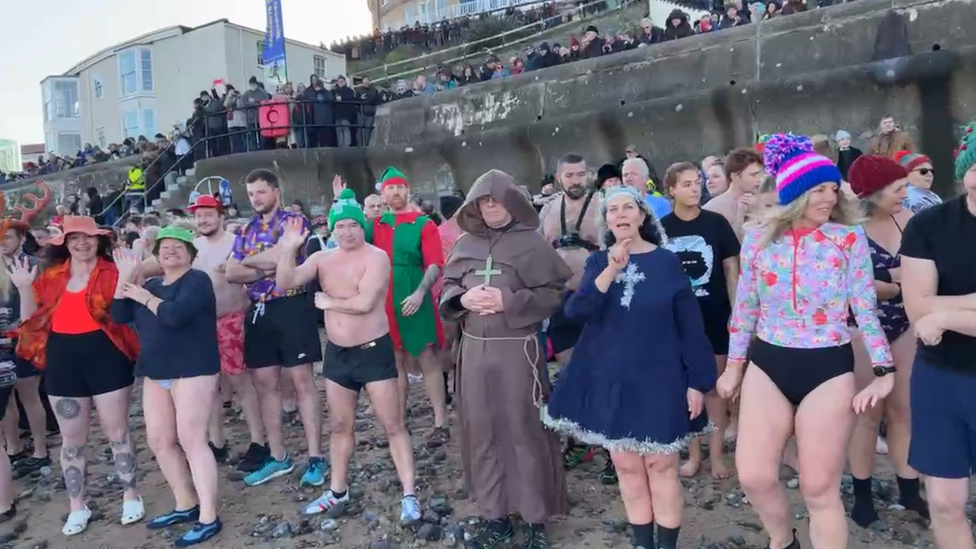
(745, 173)
(213, 248)
(570, 222)
(359, 353)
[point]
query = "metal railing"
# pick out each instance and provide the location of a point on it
(220, 140)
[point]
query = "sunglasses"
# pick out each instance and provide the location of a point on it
(925, 171)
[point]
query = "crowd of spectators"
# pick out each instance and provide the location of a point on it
(90, 154)
(340, 112)
(446, 33)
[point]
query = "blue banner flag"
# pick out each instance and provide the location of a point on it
(273, 52)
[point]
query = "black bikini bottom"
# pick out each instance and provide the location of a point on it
(797, 372)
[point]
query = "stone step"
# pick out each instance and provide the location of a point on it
(182, 180)
(190, 172)
(173, 187)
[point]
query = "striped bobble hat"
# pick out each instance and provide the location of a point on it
(790, 158)
(966, 153)
(910, 160)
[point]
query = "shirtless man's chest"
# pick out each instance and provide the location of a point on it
(558, 225)
(339, 275)
(212, 258)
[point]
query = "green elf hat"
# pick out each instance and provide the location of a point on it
(966, 153)
(346, 207)
(393, 176)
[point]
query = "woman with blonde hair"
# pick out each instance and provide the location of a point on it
(803, 269)
(882, 185)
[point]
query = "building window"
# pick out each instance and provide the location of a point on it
(135, 71)
(130, 124)
(66, 99)
(100, 137)
(260, 53)
(145, 66)
(441, 9)
(97, 88)
(410, 14)
(319, 63)
(69, 143)
(148, 123)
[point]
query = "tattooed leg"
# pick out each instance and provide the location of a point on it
(73, 419)
(113, 416)
(125, 462)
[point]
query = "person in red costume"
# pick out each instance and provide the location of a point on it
(413, 243)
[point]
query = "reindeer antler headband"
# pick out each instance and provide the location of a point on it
(24, 214)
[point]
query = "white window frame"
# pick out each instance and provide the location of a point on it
(144, 127)
(136, 127)
(261, 52)
(318, 60)
(100, 137)
(72, 110)
(138, 74)
(98, 87)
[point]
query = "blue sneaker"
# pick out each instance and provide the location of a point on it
(200, 533)
(410, 510)
(315, 472)
(174, 517)
(270, 470)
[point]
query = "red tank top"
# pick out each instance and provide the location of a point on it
(71, 314)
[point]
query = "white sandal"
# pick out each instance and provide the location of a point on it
(77, 522)
(133, 511)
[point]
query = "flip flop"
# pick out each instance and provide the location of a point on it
(77, 522)
(133, 511)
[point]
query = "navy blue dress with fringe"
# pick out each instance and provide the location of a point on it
(644, 344)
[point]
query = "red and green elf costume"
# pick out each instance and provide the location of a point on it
(413, 243)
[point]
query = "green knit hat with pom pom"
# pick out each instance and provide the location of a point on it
(346, 207)
(966, 153)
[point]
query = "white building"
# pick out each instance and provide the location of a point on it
(146, 85)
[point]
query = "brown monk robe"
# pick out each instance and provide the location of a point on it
(512, 463)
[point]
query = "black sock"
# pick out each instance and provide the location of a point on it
(667, 538)
(909, 497)
(643, 535)
(863, 513)
(339, 495)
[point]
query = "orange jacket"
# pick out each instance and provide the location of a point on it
(49, 286)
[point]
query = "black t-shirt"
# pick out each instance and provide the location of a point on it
(944, 234)
(702, 244)
(180, 340)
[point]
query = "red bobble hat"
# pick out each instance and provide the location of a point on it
(871, 173)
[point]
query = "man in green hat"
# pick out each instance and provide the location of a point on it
(413, 243)
(359, 353)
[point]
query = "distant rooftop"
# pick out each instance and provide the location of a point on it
(36, 148)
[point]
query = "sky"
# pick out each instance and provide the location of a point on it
(54, 35)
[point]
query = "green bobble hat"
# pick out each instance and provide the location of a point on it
(966, 153)
(176, 233)
(346, 207)
(393, 176)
